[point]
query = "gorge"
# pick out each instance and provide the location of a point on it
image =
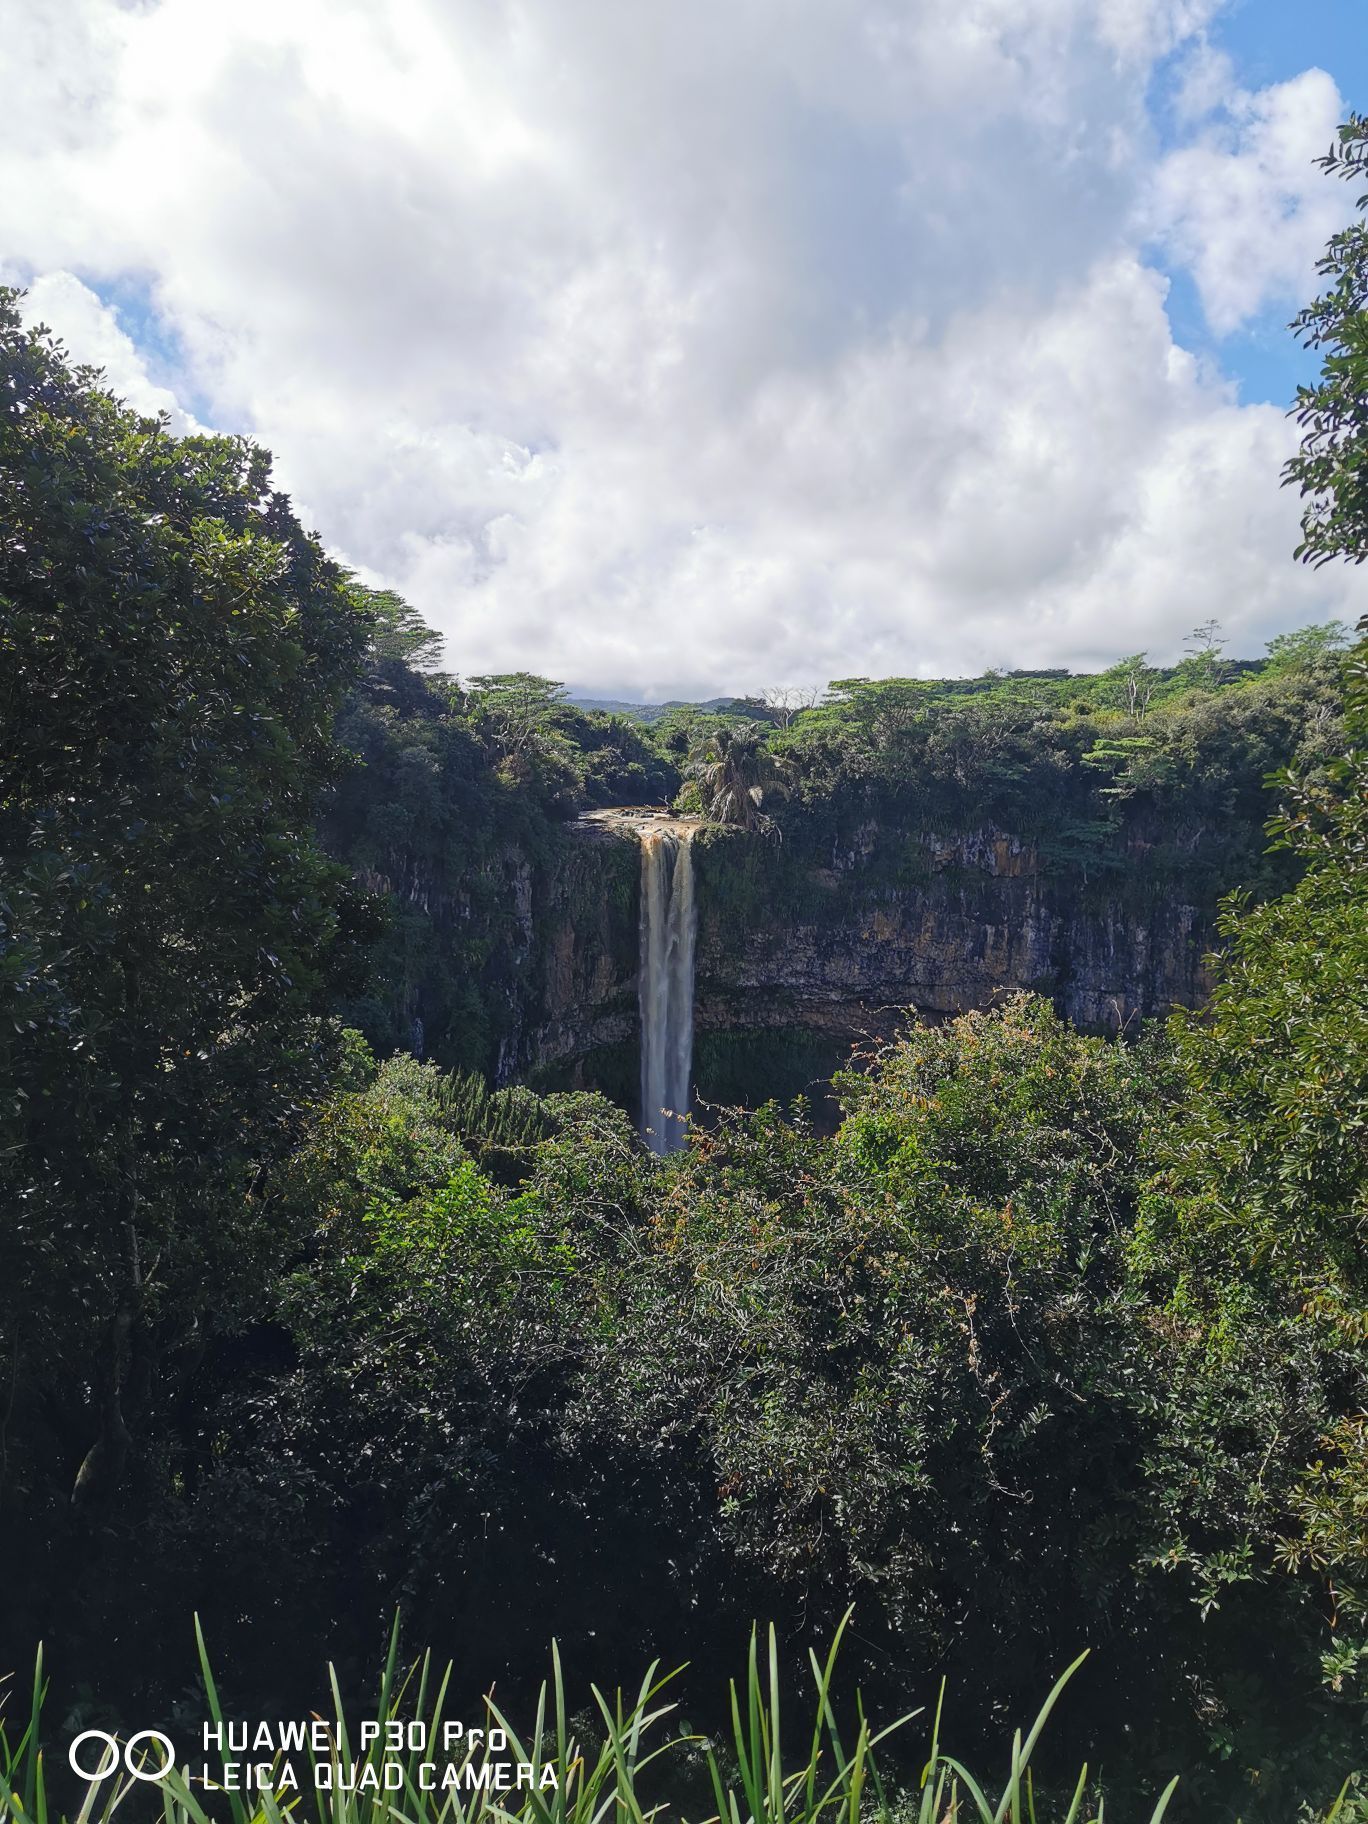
(635, 946)
(988, 845)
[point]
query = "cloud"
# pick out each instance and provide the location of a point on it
(1244, 207)
(688, 349)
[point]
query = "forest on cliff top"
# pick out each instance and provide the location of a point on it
(1056, 1343)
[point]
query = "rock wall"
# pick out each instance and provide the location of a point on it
(530, 962)
(889, 920)
(580, 991)
(985, 920)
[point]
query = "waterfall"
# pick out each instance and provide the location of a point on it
(666, 985)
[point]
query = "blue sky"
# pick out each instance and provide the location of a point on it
(1268, 41)
(1271, 40)
(677, 351)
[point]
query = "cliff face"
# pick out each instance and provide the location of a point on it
(577, 991)
(507, 960)
(940, 846)
(985, 919)
(887, 921)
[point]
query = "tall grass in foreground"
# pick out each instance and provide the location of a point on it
(617, 1775)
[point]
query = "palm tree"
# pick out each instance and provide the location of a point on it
(733, 770)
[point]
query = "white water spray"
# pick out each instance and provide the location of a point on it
(669, 920)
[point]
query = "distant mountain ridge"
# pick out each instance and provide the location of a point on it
(650, 712)
(984, 684)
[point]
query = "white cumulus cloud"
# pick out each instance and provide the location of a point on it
(688, 349)
(1244, 207)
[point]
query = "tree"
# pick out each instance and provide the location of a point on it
(1203, 666)
(516, 710)
(1134, 681)
(1330, 468)
(890, 1354)
(784, 703)
(172, 651)
(1259, 1230)
(1263, 1228)
(1279, 1061)
(1306, 647)
(398, 631)
(733, 770)
(882, 710)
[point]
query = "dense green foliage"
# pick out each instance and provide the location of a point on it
(972, 1363)
(1331, 468)
(172, 651)
(1173, 785)
(731, 771)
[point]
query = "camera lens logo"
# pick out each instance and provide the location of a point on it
(112, 1756)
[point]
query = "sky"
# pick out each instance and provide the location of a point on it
(687, 350)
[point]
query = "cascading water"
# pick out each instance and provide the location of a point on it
(665, 985)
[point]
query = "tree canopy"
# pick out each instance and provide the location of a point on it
(173, 648)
